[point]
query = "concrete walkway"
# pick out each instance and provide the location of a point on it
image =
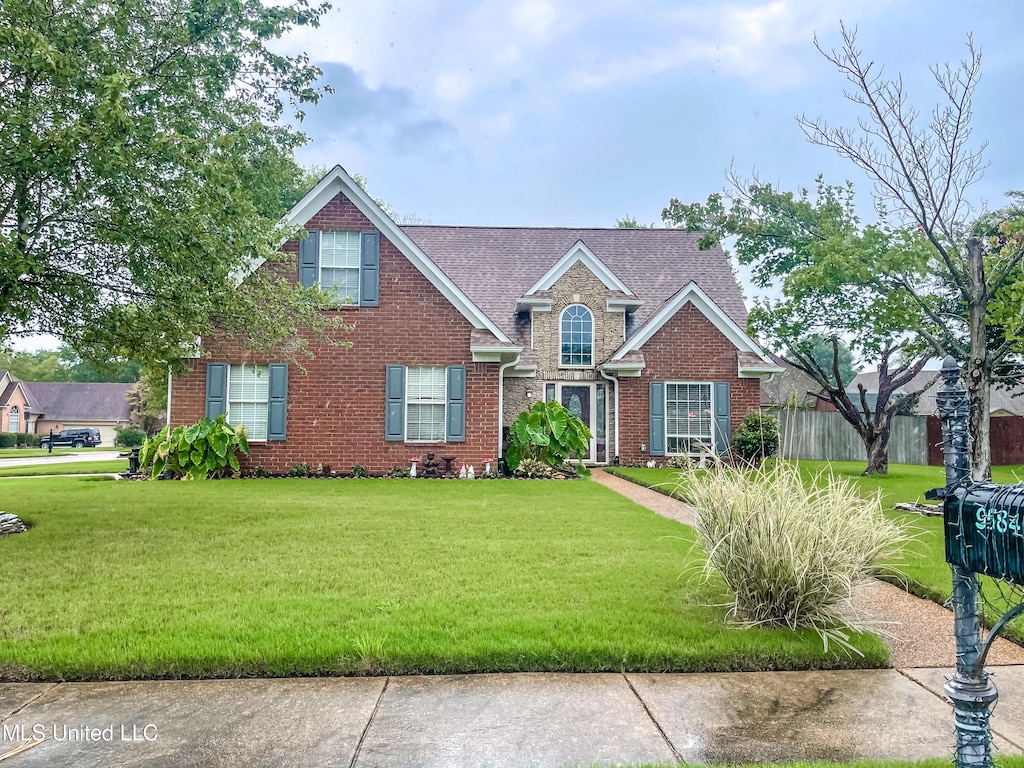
(60, 458)
(493, 720)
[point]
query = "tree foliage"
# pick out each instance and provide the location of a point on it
(826, 267)
(143, 152)
(65, 364)
(968, 287)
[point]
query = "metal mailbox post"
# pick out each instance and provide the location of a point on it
(983, 524)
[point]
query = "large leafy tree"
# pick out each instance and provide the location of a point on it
(143, 150)
(814, 253)
(922, 174)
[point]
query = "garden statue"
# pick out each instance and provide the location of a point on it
(431, 467)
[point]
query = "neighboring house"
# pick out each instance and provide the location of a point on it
(16, 407)
(458, 329)
(36, 407)
(1004, 402)
(789, 388)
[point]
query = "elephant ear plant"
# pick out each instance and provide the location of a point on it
(205, 449)
(549, 433)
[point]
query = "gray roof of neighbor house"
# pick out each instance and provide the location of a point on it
(1009, 400)
(494, 266)
(789, 385)
(59, 400)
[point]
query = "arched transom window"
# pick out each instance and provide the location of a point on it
(14, 420)
(577, 336)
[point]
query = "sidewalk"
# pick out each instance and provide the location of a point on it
(494, 720)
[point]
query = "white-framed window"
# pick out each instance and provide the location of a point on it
(14, 420)
(248, 396)
(339, 264)
(426, 395)
(577, 336)
(689, 418)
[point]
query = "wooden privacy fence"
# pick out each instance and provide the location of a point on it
(915, 439)
(828, 436)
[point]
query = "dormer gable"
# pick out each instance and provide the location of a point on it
(580, 253)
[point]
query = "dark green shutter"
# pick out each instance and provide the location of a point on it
(277, 407)
(455, 431)
(309, 259)
(369, 274)
(722, 430)
(216, 389)
(394, 414)
(657, 446)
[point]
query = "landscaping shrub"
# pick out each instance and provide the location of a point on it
(204, 449)
(300, 469)
(8, 440)
(790, 554)
(358, 470)
(548, 433)
(129, 436)
(534, 468)
(397, 471)
(757, 438)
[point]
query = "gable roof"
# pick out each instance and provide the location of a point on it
(495, 266)
(579, 253)
(338, 180)
(63, 400)
(928, 381)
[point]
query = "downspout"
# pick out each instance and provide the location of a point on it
(501, 401)
(615, 381)
(169, 395)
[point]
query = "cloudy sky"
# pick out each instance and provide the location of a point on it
(578, 112)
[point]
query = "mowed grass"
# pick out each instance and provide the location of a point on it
(66, 468)
(28, 453)
(126, 580)
(923, 563)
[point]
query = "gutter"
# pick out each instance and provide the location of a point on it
(615, 381)
(501, 400)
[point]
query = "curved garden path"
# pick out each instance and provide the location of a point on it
(919, 633)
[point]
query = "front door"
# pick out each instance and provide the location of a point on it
(577, 400)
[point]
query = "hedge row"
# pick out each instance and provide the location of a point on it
(12, 440)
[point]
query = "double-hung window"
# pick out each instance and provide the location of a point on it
(14, 420)
(689, 418)
(248, 398)
(425, 399)
(339, 265)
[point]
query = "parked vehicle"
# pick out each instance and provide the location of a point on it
(82, 437)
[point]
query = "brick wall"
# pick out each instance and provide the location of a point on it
(687, 348)
(336, 408)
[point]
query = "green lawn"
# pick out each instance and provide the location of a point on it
(304, 577)
(66, 468)
(28, 453)
(924, 561)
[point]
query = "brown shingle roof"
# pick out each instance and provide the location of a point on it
(496, 265)
(60, 400)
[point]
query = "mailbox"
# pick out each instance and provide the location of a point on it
(983, 526)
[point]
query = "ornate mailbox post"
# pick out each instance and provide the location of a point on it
(983, 535)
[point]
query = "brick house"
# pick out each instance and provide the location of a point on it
(458, 329)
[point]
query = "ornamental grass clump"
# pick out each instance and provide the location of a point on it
(791, 553)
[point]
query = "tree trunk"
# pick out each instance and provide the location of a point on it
(877, 446)
(979, 367)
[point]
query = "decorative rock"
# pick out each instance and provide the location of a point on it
(11, 524)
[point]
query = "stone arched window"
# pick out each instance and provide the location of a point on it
(14, 420)
(577, 336)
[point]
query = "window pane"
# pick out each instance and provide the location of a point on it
(426, 383)
(577, 331)
(688, 417)
(426, 422)
(339, 264)
(248, 392)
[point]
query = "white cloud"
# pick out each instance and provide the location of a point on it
(453, 86)
(534, 17)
